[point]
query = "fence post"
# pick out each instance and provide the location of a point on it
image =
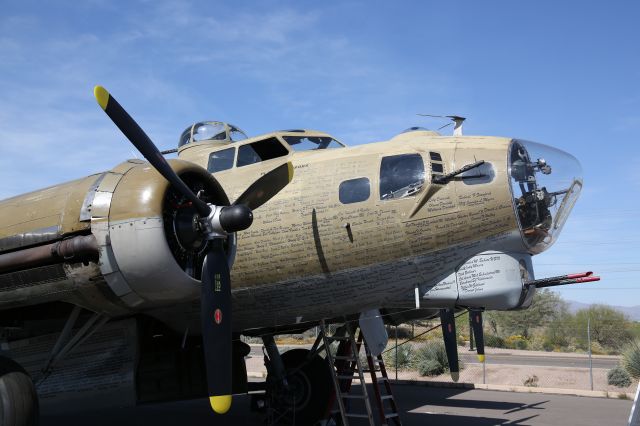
(590, 360)
(471, 344)
(484, 372)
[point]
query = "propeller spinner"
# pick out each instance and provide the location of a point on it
(215, 223)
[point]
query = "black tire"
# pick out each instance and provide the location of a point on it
(18, 397)
(310, 388)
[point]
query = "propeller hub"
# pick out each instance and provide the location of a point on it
(236, 218)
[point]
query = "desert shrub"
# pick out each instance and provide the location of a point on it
(536, 342)
(461, 340)
(405, 357)
(430, 354)
(516, 342)
(404, 332)
(548, 345)
(597, 349)
(618, 377)
(531, 381)
(430, 367)
(631, 359)
(493, 341)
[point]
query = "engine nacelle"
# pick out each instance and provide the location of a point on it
(150, 252)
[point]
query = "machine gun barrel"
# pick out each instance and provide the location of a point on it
(580, 277)
(441, 180)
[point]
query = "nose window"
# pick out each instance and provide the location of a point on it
(545, 183)
(401, 176)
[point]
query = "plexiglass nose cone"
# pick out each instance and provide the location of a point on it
(545, 183)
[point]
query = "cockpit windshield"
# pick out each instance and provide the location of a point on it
(546, 183)
(311, 143)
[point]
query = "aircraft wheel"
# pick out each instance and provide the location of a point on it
(305, 401)
(18, 398)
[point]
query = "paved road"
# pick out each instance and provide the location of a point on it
(418, 405)
(540, 360)
(471, 358)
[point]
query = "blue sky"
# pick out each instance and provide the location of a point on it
(560, 73)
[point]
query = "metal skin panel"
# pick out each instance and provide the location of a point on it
(57, 207)
(147, 264)
(281, 245)
(494, 280)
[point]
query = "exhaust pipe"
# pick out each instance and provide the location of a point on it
(82, 248)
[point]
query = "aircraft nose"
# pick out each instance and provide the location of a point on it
(545, 184)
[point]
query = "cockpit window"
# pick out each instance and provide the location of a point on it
(401, 176)
(221, 160)
(310, 143)
(263, 150)
(236, 134)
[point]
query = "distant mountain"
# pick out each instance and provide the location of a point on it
(633, 312)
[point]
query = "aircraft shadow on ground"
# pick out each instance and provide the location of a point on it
(452, 419)
(411, 400)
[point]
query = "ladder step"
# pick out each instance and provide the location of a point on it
(390, 416)
(351, 396)
(358, 416)
(344, 358)
(344, 377)
(339, 337)
(386, 397)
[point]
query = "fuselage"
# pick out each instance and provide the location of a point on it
(357, 228)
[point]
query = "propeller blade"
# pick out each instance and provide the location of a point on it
(478, 333)
(139, 138)
(216, 327)
(448, 322)
(268, 185)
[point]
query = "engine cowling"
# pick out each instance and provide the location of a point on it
(150, 254)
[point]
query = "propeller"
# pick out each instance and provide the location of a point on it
(215, 223)
(478, 334)
(448, 322)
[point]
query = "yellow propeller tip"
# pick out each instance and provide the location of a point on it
(481, 358)
(221, 403)
(102, 96)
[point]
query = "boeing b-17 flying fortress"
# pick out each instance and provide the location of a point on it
(149, 273)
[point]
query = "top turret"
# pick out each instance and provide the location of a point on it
(210, 132)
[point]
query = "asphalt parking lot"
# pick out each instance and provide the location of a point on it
(419, 406)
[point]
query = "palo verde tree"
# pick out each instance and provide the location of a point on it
(609, 327)
(546, 307)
